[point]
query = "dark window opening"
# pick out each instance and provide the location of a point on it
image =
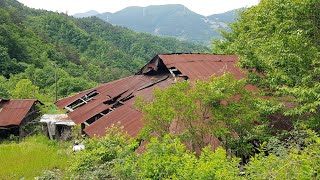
(175, 71)
(99, 115)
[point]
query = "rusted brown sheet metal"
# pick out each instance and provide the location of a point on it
(12, 112)
(96, 105)
(63, 102)
(184, 58)
(127, 115)
(202, 66)
(112, 89)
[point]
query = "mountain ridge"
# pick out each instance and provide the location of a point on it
(174, 20)
(86, 14)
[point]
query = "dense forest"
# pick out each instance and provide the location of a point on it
(36, 44)
(269, 134)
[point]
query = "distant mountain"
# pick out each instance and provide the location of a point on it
(225, 17)
(220, 21)
(171, 20)
(86, 14)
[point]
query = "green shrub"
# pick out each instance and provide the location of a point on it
(100, 153)
(169, 158)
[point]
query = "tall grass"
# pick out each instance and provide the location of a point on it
(31, 157)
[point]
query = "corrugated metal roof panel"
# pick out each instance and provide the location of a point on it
(129, 118)
(127, 85)
(54, 117)
(185, 58)
(63, 102)
(202, 66)
(96, 105)
(126, 115)
(13, 111)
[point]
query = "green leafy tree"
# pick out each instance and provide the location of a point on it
(218, 108)
(216, 165)
(4, 92)
(25, 90)
(169, 158)
(278, 41)
(290, 161)
(163, 159)
(69, 85)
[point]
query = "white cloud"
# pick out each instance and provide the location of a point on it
(204, 7)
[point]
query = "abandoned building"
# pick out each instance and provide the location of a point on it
(111, 103)
(57, 126)
(15, 115)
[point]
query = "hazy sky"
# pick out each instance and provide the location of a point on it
(204, 7)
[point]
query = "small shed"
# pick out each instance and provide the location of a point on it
(16, 114)
(57, 126)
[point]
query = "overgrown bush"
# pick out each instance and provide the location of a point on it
(97, 160)
(168, 158)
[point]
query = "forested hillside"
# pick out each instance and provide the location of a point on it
(34, 44)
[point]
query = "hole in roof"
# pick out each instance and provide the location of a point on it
(114, 99)
(82, 100)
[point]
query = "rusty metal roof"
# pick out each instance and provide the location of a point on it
(199, 66)
(12, 111)
(155, 74)
(127, 115)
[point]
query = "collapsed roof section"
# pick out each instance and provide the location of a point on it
(100, 107)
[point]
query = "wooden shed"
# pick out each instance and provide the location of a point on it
(15, 115)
